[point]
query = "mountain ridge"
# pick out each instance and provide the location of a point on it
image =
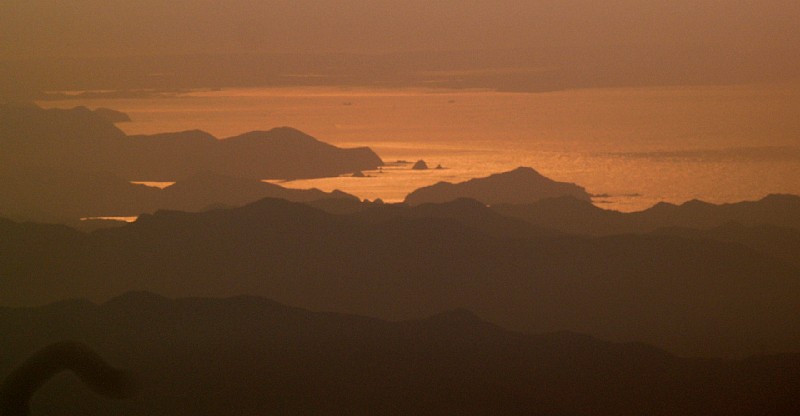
(580, 217)
(81, 139)
(238, 354)
(66, 196)
(523, 184)
(681, 293)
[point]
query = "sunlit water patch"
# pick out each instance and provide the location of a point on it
(632, 147)
(159, 185)
(121, 219)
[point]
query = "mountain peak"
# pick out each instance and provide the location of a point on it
(519, 186)
(522, 170)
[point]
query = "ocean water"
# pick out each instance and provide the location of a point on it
(631, 147)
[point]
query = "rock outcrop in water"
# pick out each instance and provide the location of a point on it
(519, 186)
(420, 165)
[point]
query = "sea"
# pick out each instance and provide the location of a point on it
(629, 147)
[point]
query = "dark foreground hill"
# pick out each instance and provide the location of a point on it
(249, 355)
(80, 139)
(688, 294)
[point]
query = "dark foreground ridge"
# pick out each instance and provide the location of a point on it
(249, 355)
(694, 294)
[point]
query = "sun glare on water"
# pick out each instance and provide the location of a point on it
(632, 147)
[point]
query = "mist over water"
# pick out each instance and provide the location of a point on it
(631, 147)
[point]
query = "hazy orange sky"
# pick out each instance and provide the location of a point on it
(109, 27)
(587, 42)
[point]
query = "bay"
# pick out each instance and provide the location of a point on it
(631, 147)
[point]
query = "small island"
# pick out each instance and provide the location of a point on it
(420, 165)
(519, 186)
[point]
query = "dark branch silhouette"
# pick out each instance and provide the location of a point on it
(25, 380)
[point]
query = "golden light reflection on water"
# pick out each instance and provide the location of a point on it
(618, 183)
(159, 185)
(606, 140)
(121, 219)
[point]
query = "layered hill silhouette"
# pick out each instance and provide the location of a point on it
(466, 212)
(581, 217)
(205, 189)
(690, 295)
(519, 186)
(80, 139)
(249, 355)
(780, 242)
(66, 196)
(111, 115)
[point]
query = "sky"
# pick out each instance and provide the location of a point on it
(697, 41)
(109, 27)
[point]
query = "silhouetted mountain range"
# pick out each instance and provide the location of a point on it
(204, 189)
(249, 355)
(780, 242)
(581, 217)
(65, 196)
(468, 212)
(690, 295)
(519, 186)
(113, 116)
(80, 139)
